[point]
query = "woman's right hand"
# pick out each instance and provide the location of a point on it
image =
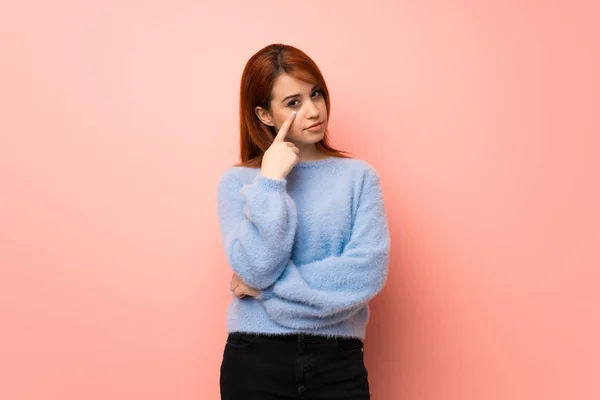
(281, 156)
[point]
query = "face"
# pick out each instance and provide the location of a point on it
(291, 94)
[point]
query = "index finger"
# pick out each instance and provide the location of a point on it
(285, 127)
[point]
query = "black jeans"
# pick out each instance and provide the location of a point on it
(293, 367)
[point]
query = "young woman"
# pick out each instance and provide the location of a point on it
(305, 232)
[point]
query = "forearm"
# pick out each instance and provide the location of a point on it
(325, 292)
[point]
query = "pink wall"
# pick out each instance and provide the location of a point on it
(117, 118)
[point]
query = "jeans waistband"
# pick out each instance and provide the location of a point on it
(290, 338)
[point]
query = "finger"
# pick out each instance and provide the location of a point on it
(296, 150)
(250, 291)
(285, 127)
(242, 293)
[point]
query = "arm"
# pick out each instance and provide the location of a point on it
(258, 224)
(328, 291)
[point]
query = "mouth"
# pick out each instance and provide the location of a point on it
(316, 126)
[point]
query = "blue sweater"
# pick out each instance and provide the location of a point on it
(315, 243)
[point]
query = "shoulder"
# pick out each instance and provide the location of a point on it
(230, 183)
(236, 176)
(364, 178)
(361, 170)
(358, 164)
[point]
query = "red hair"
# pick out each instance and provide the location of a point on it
(258, 79)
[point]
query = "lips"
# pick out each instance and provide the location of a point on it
(315, 124)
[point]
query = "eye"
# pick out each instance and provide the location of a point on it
(317, 93)
(293, 103)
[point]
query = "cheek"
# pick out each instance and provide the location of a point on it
(280, 115)
(280, 118)
(323, 109)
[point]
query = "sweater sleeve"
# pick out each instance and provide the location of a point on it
(328, 291)
(258, 223)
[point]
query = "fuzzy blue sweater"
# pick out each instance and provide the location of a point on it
(315, 243)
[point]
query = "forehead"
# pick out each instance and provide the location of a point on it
(287, 85)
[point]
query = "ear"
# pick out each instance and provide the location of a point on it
(264, 116)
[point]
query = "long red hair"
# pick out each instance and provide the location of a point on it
(258, 79)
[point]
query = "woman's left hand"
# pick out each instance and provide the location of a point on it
(240, 289)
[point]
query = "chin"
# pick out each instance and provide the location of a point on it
(307, 138)
(310, 142)
(315, 138)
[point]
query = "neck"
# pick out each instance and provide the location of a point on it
(309, 152)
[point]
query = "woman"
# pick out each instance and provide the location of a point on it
(305, 232)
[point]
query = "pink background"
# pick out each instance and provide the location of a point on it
(118, 117)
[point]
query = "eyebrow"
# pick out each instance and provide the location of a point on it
(291, 96)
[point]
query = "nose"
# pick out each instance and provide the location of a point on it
(312, 112)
